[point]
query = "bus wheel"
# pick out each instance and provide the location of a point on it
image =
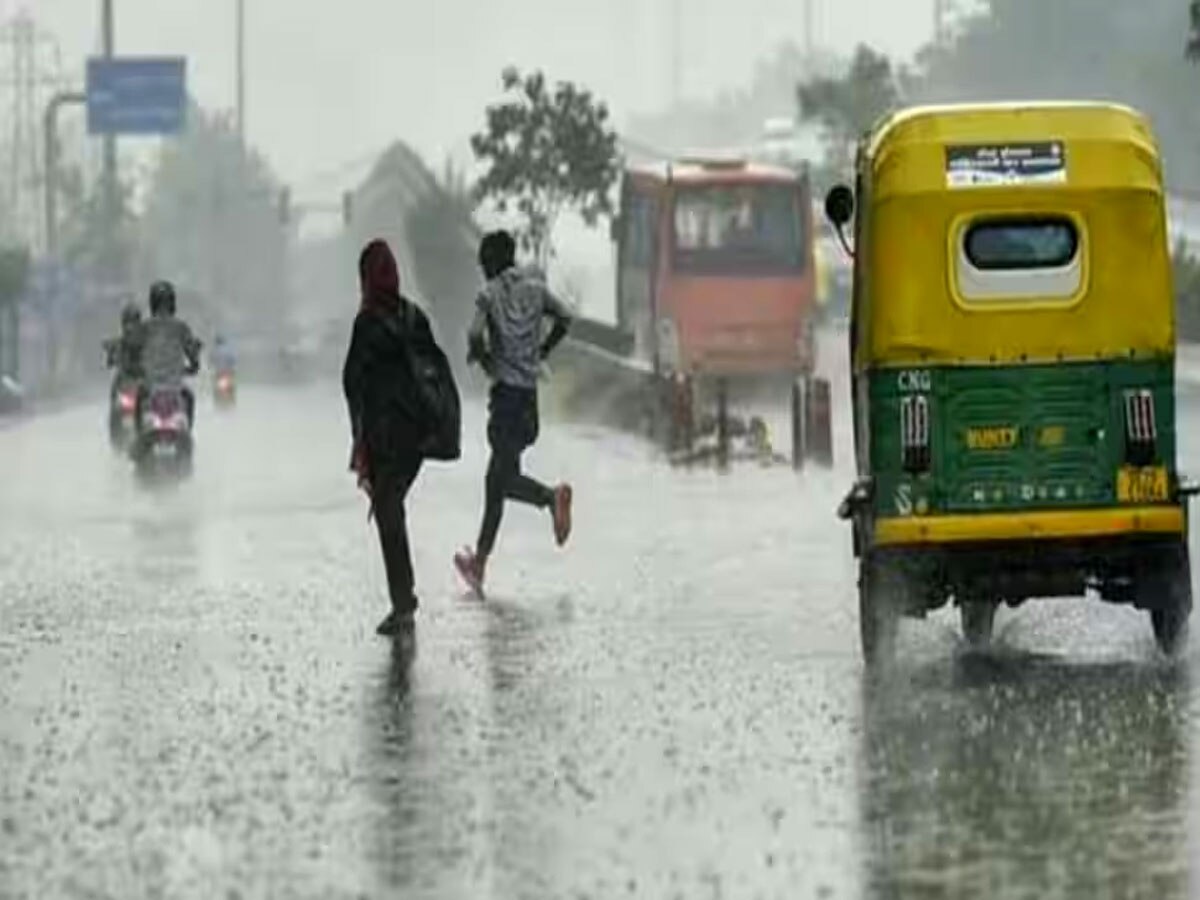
(978, 621)
(680, 414)
(818, 422)
(881, 588)
(1168, 595)
(798, 442)
(723, 435)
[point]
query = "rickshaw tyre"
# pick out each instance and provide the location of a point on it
(978, 622)
(1169, 616)
(879, 605)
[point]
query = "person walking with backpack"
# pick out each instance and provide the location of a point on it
(506, 339)
(403, 410)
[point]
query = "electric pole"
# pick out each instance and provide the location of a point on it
(809, 35)
(941, 14)
(241, 72)
(111, 211)
(676, 53)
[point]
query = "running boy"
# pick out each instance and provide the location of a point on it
(506, 339)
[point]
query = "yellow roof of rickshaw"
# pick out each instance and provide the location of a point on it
(919, 131)
(1111, 182)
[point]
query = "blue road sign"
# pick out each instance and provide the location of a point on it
(136, 95)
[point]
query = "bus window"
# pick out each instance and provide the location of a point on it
(639, 231)
(739, 229)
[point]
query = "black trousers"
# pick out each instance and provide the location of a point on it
(392, 478)
(512, 429)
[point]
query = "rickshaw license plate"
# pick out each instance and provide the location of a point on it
(1142, 485)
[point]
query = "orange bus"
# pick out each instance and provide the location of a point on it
(716, 283)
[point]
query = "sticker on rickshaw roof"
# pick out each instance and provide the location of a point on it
(1001, 165)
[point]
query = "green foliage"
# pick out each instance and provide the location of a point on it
(14, 272)
(546, 149)
(848, 106)
(1193, 44)
(1075, 49)
(1187, 292)
(212, 224)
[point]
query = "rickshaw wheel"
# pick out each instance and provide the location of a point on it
(978, 621)
(880, 586)
(1170, 591)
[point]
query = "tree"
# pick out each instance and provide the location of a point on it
(546, 150)
(14, 271)
(213, 225)
(850, 105)
(1077, 49)
(1193, 44)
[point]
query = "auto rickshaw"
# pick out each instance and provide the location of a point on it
(1012, 348)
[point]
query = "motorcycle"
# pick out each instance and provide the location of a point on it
(164, 443)
(122, 416)
(224, 389)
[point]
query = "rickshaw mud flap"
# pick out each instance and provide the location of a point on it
(1016, 572)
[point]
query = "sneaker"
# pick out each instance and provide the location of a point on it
(397, 624)
(563, 496)
(472, 569)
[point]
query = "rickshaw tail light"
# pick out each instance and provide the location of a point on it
(914, 434)
(1141, 427)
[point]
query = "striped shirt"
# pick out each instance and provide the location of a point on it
(510, 311)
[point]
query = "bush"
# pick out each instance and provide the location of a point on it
(1187, 292)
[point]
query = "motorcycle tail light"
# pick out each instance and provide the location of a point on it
(165, 404)
(127, 402)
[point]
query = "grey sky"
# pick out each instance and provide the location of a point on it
(332, 81)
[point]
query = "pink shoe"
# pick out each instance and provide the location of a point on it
(471, 570)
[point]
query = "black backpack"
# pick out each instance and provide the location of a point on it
(436, 395)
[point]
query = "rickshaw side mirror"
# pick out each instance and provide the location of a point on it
(839, 205)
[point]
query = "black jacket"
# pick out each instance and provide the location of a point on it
(384, 408)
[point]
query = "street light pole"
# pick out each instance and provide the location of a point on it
(809, 37)
(676, 52)
(108, 32)
(50, 125)
(241, 72)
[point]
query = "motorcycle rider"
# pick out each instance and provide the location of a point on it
(121, 351)
(222, 357)
(166, 349)
(121, 354)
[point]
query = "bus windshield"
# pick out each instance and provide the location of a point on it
(739, 229)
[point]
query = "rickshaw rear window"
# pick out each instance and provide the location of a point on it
(1008, 244)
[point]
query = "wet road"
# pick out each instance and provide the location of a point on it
(193, 703)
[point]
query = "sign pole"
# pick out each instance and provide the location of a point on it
(110, 155)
